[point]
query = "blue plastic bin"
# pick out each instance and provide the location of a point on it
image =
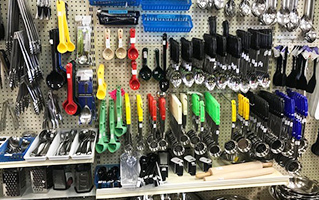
(109, 184)
(166, 4)
(167, 23)
(115, 2)
(4, 157)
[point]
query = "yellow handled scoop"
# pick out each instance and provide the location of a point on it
(101, 90)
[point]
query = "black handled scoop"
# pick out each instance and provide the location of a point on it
(164, 82)
(55, 80)
(145, 73)
(158, 73)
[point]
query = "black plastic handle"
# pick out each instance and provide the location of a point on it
(157, 58)
(174, 50)
(198, 49)
(54, 40)
(210, 45)
(226, 28)
(187, 50)
(144, 56)
(212, 25)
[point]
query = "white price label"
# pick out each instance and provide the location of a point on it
(133, 40)
(134, 72)
(68, 76)
(120, 43)
(100, 81)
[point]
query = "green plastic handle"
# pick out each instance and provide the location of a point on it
(195, 104)
(102, 121)
(202, 111)
(212, 108)
(111, 117)
(119, 103)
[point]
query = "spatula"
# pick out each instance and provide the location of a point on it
(312, 82)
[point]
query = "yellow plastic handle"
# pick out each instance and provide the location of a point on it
(127, 108)
(233, 111)
(139, 104)
(60, 6)
(69, 44)
(240, 104)
(247, 108)
(101, 90)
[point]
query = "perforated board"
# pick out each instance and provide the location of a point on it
(119, 72)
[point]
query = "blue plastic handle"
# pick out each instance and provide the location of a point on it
(289, 105)
(297, 127)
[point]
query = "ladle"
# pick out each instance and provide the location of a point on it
(134, 83)
(219, 4)
(102, 143)
(230, 8)
(283, 13)
(244, 8)
(294, 19)
(306, 22)
(164, 82)
(258, 7)
(202, 4)
(55, 80)
(158, 73)
(132, 52)
(108, 53)
(269, 17)
(311, 35)
(120, 51)
(85, 115)
(145, 73)
(69, 105)
(113, 145)
(120, 129)
(62, 47)
(101, 90)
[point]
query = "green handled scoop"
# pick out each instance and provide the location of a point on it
(120, 129)
(102, 144)
(113, 145)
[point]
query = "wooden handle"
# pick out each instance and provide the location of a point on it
(176, 108)
(201, 175)
(241, 174)
(267, 164)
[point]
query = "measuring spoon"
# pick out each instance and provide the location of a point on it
(158, 73)
(69, 44)
(108, 53)
(134, 83)
(145, 73)
(101, 90)
(62, 47)
(113, 145)
(132, 52)
(120, 51)
(69, 105)
(102, 143)
(120, 129)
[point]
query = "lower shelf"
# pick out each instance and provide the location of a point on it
(52, 194)
(187, 183)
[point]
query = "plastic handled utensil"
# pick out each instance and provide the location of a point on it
(101, 90)
(132, 51)
(145, 73)
(134, 83)
(102, 144)
(164, 82)
(55, 80)
(233, 116)
(152, 139)
(120, 51)
(120, 129)
(140, 140)
(158, 72)
(128, 139)
(195, 110)
(184, 138)
(108, 53)
(69, 44)
(113, 144)
(69, 105)
(162, 114)
(62, 47)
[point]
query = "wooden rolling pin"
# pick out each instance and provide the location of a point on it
(233, 168)
(241, 174)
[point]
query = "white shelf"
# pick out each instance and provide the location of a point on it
(187, 183)
(4, 165)
(52, 194)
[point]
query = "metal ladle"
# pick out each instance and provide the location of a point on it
(230, 8)
(294, 19)
(258, 7)
(244, 8)
(219, 4)
(283, 13)
(269, 17)
(86, 115)
(202, 4)
(307, 18)
(311, 35)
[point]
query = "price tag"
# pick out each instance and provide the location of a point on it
(68, 76)
(133, 40)
(134, 72)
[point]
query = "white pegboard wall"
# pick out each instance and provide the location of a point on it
(119, 72)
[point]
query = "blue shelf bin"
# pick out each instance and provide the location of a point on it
(166, 5)
(167, 23)
(115, 2)
(5, 157)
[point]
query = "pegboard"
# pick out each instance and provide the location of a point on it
(118, 72)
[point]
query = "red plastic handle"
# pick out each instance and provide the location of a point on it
(69, 75)
(134, 83)
(132, 32)
(152, 107)
(162, 107)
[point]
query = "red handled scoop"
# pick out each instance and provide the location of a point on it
(69, 105)
(134, 83)
(132, 51)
